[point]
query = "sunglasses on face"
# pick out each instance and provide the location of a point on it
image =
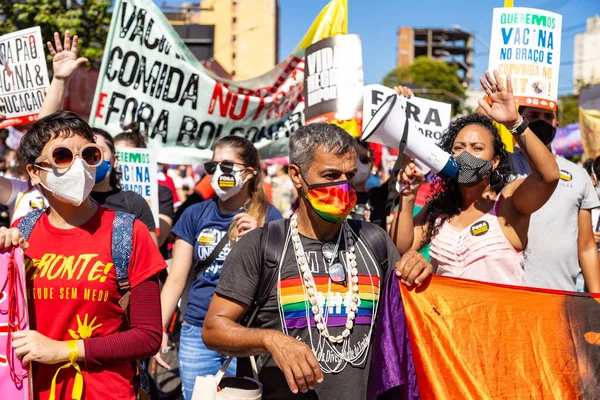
(63, 157)
(226, 166)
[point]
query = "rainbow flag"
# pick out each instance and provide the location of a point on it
(475, 340)
(295, 303)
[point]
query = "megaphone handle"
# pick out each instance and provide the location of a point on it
(400, 187)
(392, 195)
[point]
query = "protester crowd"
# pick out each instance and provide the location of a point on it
(279, 264)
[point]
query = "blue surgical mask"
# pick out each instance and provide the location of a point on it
(102, 171)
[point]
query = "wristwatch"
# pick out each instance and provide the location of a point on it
(521, 127)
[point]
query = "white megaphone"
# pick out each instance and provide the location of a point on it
(387, 128)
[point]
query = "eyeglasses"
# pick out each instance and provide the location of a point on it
(63, 157)
(365, 159)
(226, 166)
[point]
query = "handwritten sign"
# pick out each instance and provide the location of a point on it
(139, 169)
(23, 76)
(525, 44)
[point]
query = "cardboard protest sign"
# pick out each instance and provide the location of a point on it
(149, 75)
(333, 82)
(14, 379)
(138, 174)
(425, 117)
(23, 76)
(525, 44)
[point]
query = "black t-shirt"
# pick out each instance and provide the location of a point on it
(240, 281)
(165, 202)
(130, 202)
(370, 206)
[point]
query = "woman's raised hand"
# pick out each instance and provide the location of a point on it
(503, 108)
(64, 56)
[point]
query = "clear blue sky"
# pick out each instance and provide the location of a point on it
(377, 22)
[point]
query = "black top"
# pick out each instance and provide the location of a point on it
(240, 279)
(165, 202)
(372, 204)
(130, 202)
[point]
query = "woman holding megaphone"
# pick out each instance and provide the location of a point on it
(477, 222)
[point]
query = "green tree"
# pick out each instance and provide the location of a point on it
(88, 19)
(568, 109)
(440, 78)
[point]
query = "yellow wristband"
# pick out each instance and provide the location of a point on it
(73, 350)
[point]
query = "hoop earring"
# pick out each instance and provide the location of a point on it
(498, 177)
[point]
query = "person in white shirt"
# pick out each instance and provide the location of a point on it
(561, 239)
(16, 191)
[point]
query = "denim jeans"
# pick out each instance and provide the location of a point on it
(195, 359)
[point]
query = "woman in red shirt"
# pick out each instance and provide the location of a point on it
(72, 288)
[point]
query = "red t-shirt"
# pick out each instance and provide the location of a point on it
(73, 294)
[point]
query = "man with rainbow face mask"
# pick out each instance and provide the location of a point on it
(314, 334)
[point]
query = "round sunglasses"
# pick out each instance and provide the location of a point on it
(226, 166)
(63, 157)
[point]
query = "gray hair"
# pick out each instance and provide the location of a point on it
(331, 138)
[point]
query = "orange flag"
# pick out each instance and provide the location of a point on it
(473, 340)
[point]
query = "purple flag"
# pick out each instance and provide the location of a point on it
(392, 374)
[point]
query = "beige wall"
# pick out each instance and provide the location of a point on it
(586, 66)
(254, 50)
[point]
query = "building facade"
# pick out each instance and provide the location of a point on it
(454, 46)
(246, 39)
(586, 61)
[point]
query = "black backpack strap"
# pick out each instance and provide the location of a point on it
(27, 223)
(202, 265)
(374, 237)
(273, 241)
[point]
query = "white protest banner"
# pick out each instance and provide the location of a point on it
(428, 117)
(525, 44)
(138, 174)
(333, 82)
(23, 76)
(149, 75)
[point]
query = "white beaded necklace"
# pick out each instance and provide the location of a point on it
(346, 355)
(311, 287)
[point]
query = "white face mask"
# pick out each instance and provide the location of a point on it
(362, 172)
(72, 186)
(227, 185)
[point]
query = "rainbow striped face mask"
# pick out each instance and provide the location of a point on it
(332, 201)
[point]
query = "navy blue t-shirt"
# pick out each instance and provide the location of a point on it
(203, 225)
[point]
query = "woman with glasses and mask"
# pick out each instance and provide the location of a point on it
(108, 193)
(205, 233)
(477, 223)
(81, 340)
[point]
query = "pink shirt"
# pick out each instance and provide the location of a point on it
(480, 252)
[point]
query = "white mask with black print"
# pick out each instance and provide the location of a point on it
(72, 186)
(228, 185)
